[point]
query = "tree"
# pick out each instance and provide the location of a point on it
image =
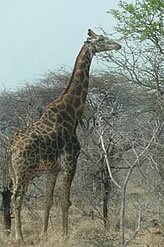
(141, 64)
(140, 26)
(142, 20)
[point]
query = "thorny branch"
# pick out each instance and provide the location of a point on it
(123, 194)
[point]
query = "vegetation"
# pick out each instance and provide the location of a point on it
(117, 192)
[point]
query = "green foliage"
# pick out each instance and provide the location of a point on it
(143, 19)
(140, 25)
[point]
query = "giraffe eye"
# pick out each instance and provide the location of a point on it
(101, 38)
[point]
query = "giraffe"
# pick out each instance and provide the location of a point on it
(51, 142)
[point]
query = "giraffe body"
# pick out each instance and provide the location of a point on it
(41, 146)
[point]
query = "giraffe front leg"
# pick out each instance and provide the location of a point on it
(50, 185)
(17, 204)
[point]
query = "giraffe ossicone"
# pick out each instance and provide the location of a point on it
(40, 146)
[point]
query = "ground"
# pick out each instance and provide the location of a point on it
(84, 232)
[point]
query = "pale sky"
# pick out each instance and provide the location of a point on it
(41, 35)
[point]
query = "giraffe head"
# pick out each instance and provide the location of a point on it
(100, 43)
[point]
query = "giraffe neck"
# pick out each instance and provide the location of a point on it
(77, 89)
(71, 102)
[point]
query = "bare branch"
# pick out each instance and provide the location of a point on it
(107, 162)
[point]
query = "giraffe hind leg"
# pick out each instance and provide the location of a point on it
(66, 203)
(50, 185)
(70, 162)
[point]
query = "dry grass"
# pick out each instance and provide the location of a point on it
(87, 233)
(84, 232)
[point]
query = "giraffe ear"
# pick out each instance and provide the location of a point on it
(88, 40)
(92, 34)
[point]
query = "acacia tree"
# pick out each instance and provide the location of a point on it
(140, 62)
(140, 25)
(143, 20)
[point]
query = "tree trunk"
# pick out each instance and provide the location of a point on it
(6, 207)
(106, 193)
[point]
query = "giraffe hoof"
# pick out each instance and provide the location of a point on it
(19, 243)
(44, 236)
